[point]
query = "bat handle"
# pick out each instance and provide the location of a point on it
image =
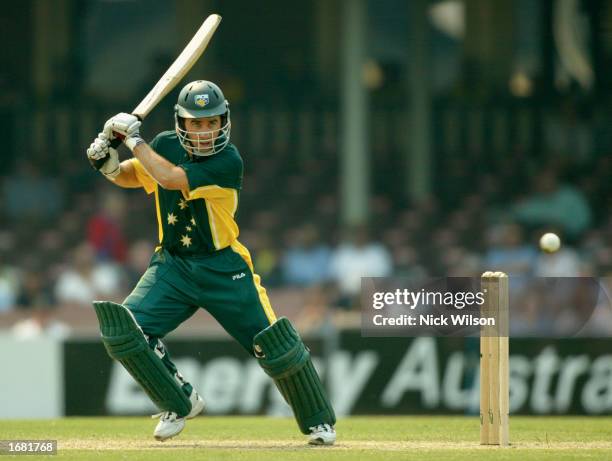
(117, 141)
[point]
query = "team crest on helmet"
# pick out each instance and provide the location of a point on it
(202, 100)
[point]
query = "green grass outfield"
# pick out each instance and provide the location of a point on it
(359, 438)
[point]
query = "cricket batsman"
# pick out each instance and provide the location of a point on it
(195, 174)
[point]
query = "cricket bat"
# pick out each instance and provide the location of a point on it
(177, 70)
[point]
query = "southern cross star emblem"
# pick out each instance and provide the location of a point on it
(172, 219)
(186, 241)
(183, 204)
(193, 221)
(188, 228)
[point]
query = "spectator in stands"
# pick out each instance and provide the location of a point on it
(104, 231)
(8, 287)
(406, 262)
(563, 263)
(84, 280)
(554, 204)
(357, 256)
(266, 257)
(9, 275)
(139, 256)
(36, 297)
(36, 289)
(460, 262)
(41, 323)
(306, 260)
(28, 194)
(508, 252)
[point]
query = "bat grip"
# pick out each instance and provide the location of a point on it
(119, 137)
(117, 141)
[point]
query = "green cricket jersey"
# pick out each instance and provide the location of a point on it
(200, 220)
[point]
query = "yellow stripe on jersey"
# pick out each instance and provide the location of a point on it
(160, 228)
(213, 226)
(221, 205)
(263, 296)
(144, 178)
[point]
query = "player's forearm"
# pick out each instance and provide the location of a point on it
(168, 175)
(165, 173)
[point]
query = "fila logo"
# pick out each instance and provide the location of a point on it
(238, 276)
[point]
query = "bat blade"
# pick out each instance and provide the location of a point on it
(179, 68)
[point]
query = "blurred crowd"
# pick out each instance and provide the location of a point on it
(72, 237)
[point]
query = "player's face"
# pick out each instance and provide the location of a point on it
(202, 132)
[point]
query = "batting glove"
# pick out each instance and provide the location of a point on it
(126, 126)
(104, 158)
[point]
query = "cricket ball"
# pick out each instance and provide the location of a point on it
(550, 242)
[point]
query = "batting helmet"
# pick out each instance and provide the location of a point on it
(201, 99)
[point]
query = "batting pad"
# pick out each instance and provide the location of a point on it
(283, 356)
(125, 342)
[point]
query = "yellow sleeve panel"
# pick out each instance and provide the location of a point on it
(221, 206)
(143, 177)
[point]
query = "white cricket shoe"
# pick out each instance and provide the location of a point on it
(323, 434)
(171, 424)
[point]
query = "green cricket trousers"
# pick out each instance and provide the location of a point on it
(223, 283)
